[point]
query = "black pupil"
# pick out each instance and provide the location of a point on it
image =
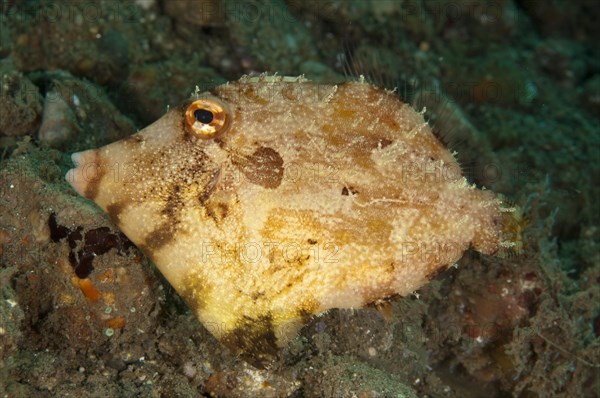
(203, 116)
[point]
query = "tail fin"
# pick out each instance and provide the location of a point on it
(513, 224)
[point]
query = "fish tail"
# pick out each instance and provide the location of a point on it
(513, 223)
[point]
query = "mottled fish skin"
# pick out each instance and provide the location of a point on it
(311, 197)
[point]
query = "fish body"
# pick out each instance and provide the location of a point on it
(272, 199)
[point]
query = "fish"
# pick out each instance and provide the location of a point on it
(272, 199)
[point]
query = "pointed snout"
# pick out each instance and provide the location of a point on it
(85, 173)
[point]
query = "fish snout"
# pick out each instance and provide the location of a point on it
(86, 173)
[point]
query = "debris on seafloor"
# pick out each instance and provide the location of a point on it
(272, 199)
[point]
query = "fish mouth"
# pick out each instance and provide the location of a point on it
(84, 172)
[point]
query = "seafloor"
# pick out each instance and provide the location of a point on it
(512, 85)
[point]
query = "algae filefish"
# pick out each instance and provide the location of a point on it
(271, 199)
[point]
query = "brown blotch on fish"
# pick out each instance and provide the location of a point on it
(173, 205)
(346, 191)
(217, 211)
(194, 292)
(93, 182)
(384, 142)
(161, 236)
(264, 167)
(254, 340)
(114, 211)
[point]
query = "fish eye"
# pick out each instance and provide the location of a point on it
(205, 118)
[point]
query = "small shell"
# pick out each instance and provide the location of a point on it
(59, 122)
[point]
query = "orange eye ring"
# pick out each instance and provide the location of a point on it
(206, 118)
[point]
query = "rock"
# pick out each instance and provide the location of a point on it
(268, 31)
(320, 73)
(196, 12)
(77, 113)
(5, 41)
(563, 60)
(59, 122)
(20, 102)
(590, 95)
(71, 36)
(151, 88)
